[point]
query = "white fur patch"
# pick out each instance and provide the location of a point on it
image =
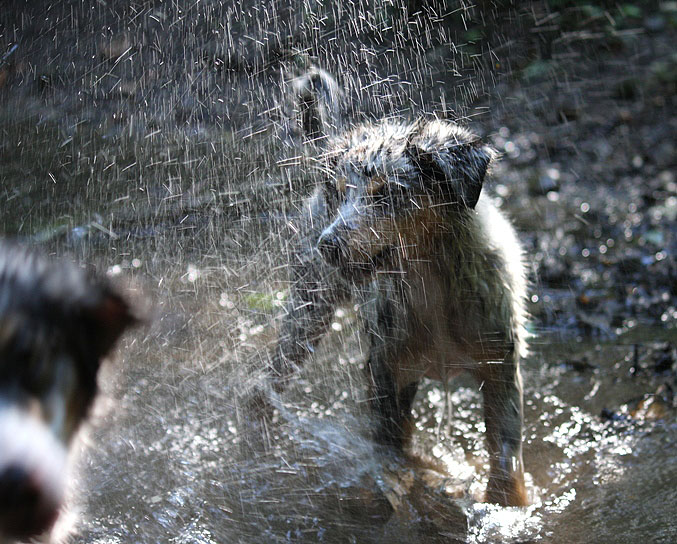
(26, 442)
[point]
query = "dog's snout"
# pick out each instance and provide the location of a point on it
(330, 246)
(26, 508)
(32, 475)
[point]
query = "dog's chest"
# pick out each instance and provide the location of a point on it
(429, 341)
(436, 344)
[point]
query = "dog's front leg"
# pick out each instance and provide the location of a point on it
(390, 395)
(316, 290)
(390, 405)
(501, 385)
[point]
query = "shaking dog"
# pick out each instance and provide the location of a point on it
(401, 224)
(56, 324)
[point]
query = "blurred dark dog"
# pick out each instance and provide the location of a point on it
(57, 322)
(400, 223)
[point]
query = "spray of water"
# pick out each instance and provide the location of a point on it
(167, 143)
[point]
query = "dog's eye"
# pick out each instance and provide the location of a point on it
(376, 185)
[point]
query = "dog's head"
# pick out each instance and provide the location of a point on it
(56, 324)
(394, 188)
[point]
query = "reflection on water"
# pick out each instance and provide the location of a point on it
(176, 459)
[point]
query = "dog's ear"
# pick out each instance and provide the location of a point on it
(106, 320)
(454, 167)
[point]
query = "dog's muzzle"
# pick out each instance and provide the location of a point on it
(335, 251)
(32, 475)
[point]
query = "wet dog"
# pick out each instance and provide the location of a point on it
(401, 223)
(57, 322)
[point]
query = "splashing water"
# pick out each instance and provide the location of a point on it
(159, 141)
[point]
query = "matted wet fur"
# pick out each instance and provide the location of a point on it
(400, 223)
(57, 322)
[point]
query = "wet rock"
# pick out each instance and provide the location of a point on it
(579, 365)
(427, 498)
(397, 495)
(650, 407)
(664, 359)
(362, 502)
(653, 406)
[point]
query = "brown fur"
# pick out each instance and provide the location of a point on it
(438, 273)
